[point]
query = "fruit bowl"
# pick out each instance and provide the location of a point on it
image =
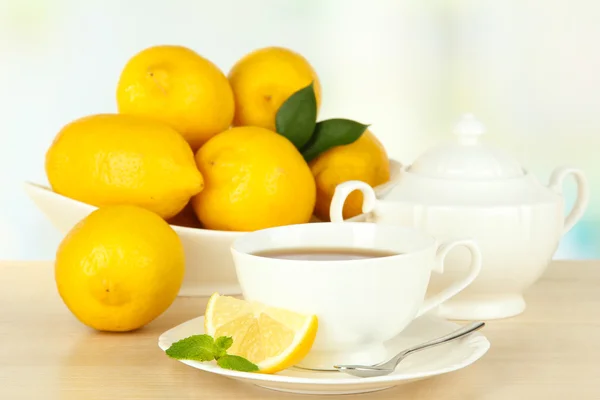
(209, 266)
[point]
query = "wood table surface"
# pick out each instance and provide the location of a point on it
(551, 351)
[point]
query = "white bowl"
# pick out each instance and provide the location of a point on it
(209, 265)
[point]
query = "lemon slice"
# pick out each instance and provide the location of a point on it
(272, 338)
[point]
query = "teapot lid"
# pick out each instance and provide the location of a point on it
(467, 158)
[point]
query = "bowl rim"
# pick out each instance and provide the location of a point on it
(395, 169)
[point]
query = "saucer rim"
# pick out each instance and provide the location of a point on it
(478, 343)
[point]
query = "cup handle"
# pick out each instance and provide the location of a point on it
(342, 191)
(583, 193)
(456, 287)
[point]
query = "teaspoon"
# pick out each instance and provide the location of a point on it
(387, 367)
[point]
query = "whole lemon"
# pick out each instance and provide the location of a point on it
(186, 218)
(110, 159)
(119, 268)
(255, 178)
(365, 160)
(177, 86)
(264, 79)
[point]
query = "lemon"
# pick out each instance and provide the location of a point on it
(263, 79)
(254, 179)
(119, 268)
(272, 338)
(175, 85)
(365, 160)
(111, 159)
(186, 218)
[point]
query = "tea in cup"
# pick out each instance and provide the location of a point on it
(365, 282)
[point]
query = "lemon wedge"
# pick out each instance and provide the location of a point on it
(272, 338)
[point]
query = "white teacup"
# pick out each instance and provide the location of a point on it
(360, 303)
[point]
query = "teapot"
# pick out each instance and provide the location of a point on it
(469, 189)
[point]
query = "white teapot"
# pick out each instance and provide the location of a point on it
(468, 189)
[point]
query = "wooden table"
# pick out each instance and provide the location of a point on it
(552, 351)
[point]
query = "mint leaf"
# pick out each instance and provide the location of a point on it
(221, 345)
(196, 347)
(331, 133)
(205, 348)
(236, 363)
(297, 116)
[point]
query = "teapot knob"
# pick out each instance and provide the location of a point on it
(468, 129)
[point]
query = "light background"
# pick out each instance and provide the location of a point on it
(529, 69)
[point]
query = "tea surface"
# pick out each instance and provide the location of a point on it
(324, 253)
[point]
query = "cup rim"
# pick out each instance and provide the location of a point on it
(431, 241)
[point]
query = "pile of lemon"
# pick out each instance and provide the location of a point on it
(190, 146)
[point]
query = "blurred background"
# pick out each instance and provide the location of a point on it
(528, 69)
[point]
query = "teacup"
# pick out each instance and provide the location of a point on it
(360, 303)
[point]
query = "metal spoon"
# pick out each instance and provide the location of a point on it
(387, 367)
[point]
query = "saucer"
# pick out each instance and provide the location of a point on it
(427, 363)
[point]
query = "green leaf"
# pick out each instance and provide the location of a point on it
(196, 347)
(236, 363)
(205, 348)
(297, 116)
(222, 344)
(331, 133)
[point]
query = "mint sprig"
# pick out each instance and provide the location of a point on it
(205, 348)
(296, 119)
(197, 348)
(222, 344)
(236, 363)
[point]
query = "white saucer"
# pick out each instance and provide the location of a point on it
(438, 360)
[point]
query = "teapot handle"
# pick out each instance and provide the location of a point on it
(583, 193)
(343, 190)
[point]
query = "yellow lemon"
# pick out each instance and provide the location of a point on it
(272, 338)
(255, 179)
(186, 218)
(120, 159)
(175, 85)
(119, 268)
(364, 160)
(263, 79)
